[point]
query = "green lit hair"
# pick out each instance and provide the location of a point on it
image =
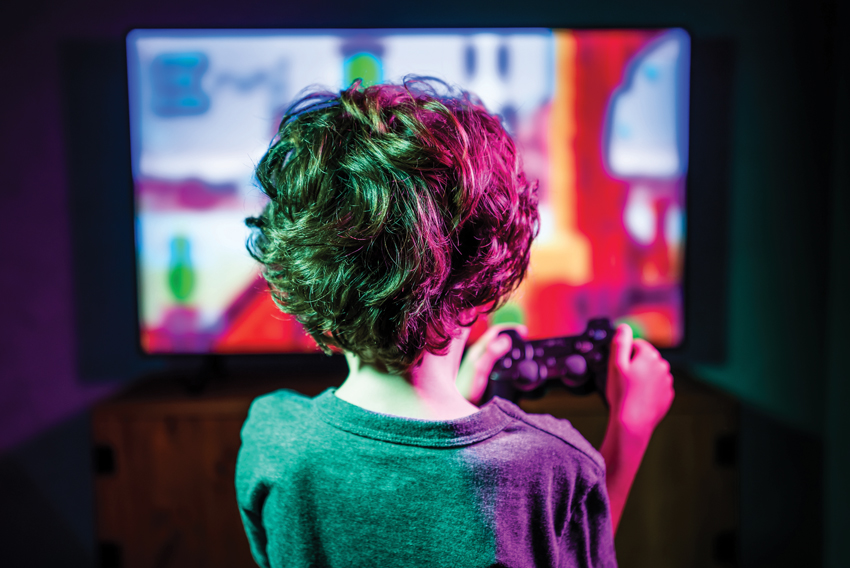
(392, 209)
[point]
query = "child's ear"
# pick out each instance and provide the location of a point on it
(485, 308)
(469, 316)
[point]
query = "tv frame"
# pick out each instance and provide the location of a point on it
(96, 120)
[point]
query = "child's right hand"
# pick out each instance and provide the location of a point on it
(479, 359)
(640, 386)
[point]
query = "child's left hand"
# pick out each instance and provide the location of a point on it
(640, 386)
(479, 360)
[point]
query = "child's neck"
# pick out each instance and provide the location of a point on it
(427, 392)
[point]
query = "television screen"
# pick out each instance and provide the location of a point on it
(600, 117)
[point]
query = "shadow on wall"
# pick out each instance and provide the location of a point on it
(97, 139)
(782, 496)
(46, 488)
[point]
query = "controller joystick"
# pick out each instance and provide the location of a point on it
(580, 363)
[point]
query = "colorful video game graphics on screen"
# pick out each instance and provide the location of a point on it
(600, 116)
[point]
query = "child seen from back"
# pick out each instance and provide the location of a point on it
(398, 214)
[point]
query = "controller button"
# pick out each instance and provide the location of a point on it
(576, 364)
(528, 378)
(583, 346)
(597, 356)
(515, 353)
(550, 361)
(598, 334)
(529, 352)
(528, 369)
(507, 363)
(544, 372)
(538, 352)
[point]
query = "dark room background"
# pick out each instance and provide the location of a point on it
(783, 183)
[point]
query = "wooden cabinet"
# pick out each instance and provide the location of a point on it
(165, 464)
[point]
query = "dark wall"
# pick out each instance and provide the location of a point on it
(787, 242)
(836, 433)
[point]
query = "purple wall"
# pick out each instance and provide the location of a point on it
(40, 378)
(38, 386)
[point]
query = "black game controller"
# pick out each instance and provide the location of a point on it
(579, 362)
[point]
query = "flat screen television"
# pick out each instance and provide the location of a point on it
(600, 117)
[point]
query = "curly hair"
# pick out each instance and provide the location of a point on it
(392, 209)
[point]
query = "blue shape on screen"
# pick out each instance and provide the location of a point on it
(622, 130)
(469, 60)
(651, 72)
(646, 133)
(176, 84)
(503, 61)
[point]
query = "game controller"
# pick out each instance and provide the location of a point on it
(580, 363)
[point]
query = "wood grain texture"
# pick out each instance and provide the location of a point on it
(171, 500)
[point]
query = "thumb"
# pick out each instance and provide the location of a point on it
(499, 346)
(621, 345)
(496, 348)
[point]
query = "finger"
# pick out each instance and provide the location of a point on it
(644, 348)
(492, 333)
(484, 364)
(622, 345)
(494, 330)
(498, 347)
(500, 327)
(491, 345)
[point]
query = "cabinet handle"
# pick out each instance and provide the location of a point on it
(103, 457)
(726, 450)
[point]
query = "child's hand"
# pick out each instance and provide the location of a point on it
(480, 358)
(640, 386)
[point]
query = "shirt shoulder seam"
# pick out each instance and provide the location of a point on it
(599, 469)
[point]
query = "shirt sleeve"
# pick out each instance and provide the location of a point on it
(591, 535)
(251, 490)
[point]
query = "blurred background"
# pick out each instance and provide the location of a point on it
(770, 264)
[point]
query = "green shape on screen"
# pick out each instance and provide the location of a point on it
(181, 275)
(509, 313)
(637, 331)
(364, 66)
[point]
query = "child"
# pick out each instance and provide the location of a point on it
(397, 215)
